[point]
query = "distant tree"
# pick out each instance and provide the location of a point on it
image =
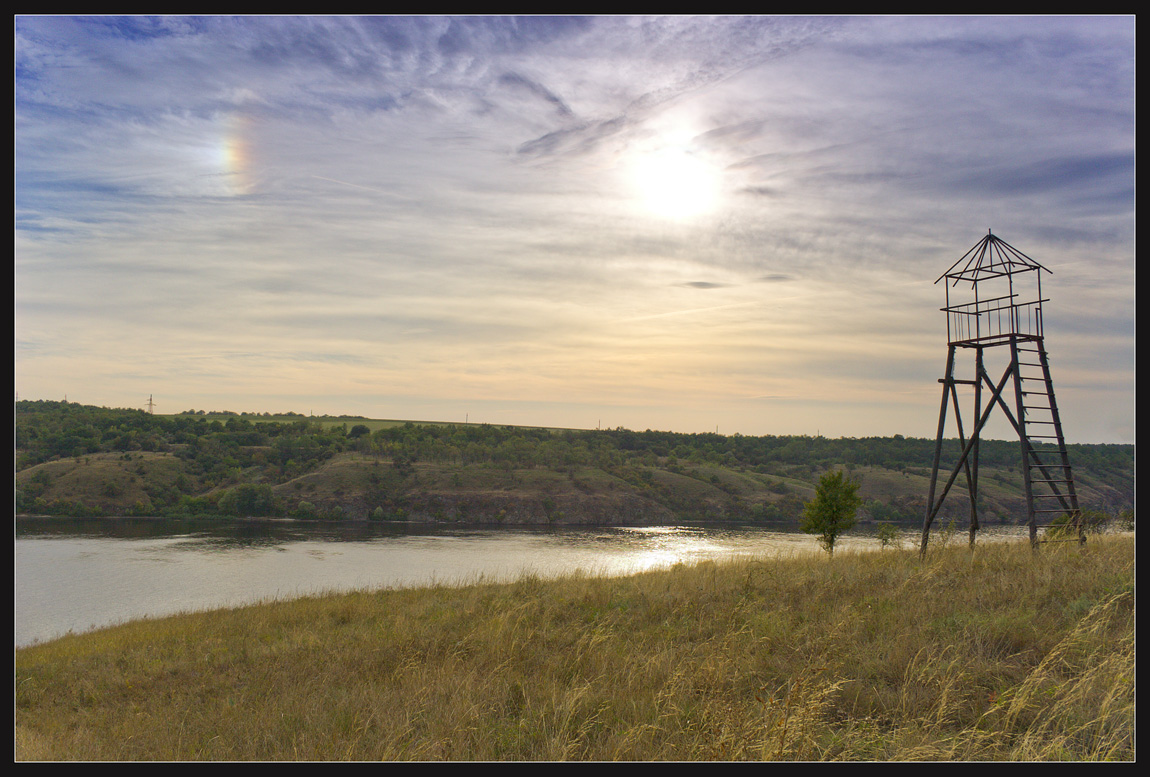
(832, 511)
(248, 499)
(887, 534)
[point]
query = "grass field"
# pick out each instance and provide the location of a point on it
(1003, 654)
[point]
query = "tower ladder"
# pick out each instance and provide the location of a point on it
(1048, 478)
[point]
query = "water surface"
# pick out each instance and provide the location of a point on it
(78, 575)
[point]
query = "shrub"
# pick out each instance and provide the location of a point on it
(832, 511)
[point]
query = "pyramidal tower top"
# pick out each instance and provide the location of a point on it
(993, 295)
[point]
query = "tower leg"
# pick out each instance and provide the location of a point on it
(947, 383)
(972, 472)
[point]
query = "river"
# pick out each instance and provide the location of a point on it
(78, 575)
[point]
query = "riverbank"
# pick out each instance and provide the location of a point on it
(1006, 654)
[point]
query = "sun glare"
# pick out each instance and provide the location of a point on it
(674, 184)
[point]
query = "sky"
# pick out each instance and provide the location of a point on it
(692, 224)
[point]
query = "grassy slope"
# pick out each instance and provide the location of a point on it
(1006, 654)
(114, 484)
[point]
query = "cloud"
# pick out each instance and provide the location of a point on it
(537, 90)
(431, 198)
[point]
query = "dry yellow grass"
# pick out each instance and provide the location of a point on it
(1003, 654)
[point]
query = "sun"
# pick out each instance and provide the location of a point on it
(674, 184)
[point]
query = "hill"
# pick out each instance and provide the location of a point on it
(80, 460)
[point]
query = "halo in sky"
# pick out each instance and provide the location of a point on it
(231, 153)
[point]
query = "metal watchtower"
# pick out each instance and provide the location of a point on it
(994, 309)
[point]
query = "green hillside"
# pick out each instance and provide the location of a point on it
(80, 460)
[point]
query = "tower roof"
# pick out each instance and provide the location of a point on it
(991, 257)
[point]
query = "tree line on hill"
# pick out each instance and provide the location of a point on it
(221, 450)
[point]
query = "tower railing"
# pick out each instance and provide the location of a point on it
(994, 320)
